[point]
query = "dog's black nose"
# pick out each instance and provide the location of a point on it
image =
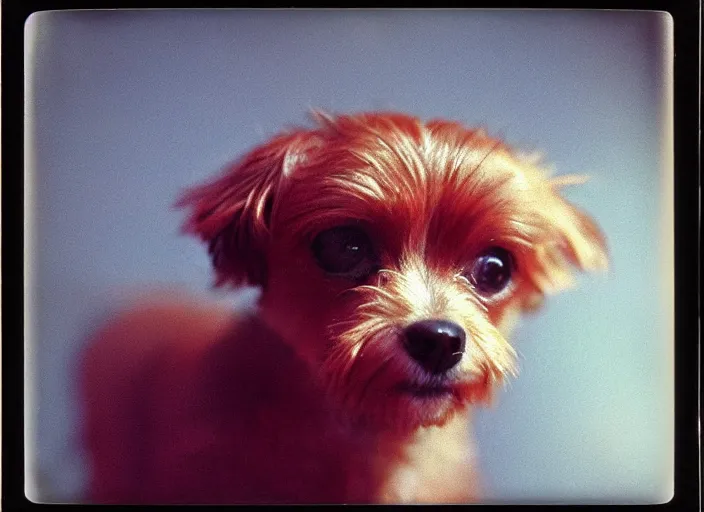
(437, 345)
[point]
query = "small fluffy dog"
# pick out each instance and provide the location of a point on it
(393, 257)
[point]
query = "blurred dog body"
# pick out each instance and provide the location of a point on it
(192, 404)
(394, 257)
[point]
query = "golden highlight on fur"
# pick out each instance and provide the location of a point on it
(325, 368)
(403, 170)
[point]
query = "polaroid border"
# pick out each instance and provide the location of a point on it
(687, 16)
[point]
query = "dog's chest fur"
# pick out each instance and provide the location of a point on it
(237, 419)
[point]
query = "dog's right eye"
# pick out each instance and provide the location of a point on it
(491, 271)
(345, 251)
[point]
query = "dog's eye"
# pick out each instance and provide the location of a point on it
(346, 251)
(491, 271)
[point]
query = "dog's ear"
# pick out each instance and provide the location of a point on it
(232, 213)
(575, 241)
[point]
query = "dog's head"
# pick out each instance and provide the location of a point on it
(393, 256)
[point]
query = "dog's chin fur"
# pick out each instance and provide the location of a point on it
(431, 197)
(395, 397)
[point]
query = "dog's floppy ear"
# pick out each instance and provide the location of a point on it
(576, 241)
(232, 213)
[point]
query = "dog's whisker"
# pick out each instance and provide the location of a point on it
(476, 302)
(346, 291)
(392, 272)
(374, 290)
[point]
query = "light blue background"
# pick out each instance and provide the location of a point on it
(125, 109)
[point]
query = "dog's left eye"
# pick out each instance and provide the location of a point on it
(491, 271)
(345, 251)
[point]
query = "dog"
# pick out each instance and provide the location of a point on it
(394, 257)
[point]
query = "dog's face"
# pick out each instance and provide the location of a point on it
(394, 256)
